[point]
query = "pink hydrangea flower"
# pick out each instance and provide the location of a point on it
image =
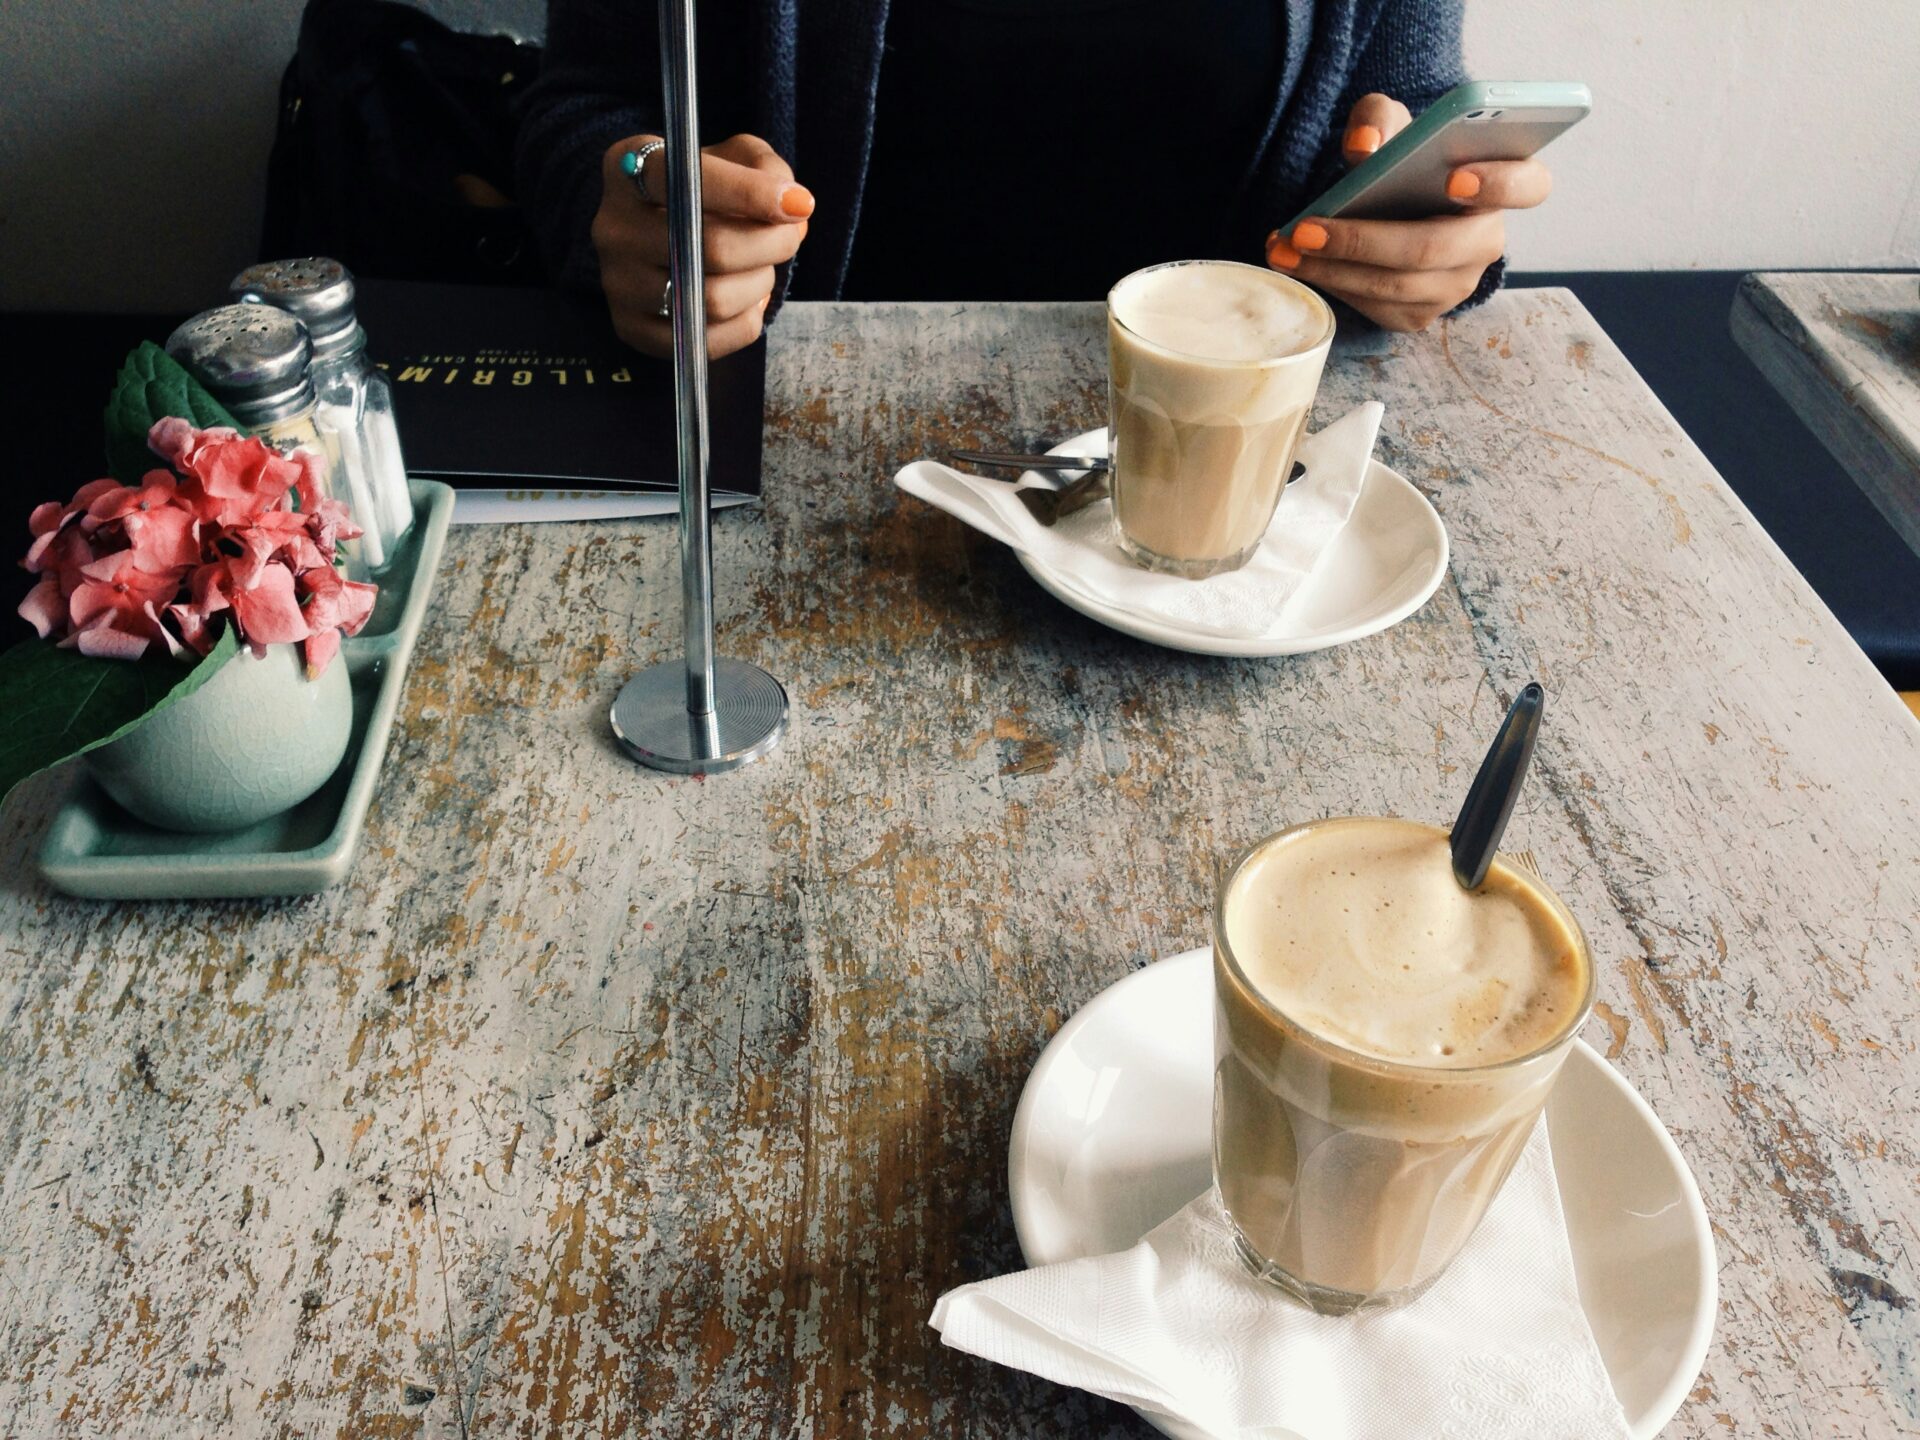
(51, 522)
(114, 608)
(241, 531)
(332, 600)
(268, 611)
(334, 606)
(176, 441)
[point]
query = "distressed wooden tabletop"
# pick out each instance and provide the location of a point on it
(600, 1102)
(1844, 349)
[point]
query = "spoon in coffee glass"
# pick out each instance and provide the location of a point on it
(1490, 799)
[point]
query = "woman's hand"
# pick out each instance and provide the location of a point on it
(755, 219)
(1405, 274)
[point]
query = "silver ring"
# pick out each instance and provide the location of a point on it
(634, 162)
(665, 312)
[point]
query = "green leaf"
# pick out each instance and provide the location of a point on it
(152, 386)
(61, 703)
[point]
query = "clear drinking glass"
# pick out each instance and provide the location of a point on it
(1203, 446)
(1353, 1181)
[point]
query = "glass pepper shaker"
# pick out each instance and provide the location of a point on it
(255, 361)
(355, 396)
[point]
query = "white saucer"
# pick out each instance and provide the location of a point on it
(1382, 567)
(1112, 1136)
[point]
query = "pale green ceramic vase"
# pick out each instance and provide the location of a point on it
(256, 739)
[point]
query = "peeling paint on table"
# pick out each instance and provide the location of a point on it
(602, 1102)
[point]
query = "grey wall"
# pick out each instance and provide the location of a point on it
(1725, 134)
(134, 138)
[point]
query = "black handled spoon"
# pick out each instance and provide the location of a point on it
(1490, 799)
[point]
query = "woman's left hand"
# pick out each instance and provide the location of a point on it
(1405, 274)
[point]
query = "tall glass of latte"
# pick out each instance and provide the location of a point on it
(1212, 369)
(1384, 1042)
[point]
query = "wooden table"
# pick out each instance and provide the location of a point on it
(1844, 349)
(600, 1102)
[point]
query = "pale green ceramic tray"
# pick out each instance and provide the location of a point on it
(96, 850)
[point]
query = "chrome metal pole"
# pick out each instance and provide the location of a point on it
(687, 266)
(711, 715)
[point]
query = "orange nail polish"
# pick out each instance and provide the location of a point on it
(797, 201)
(1463, 185)
(1282, 255)
(1309, 235)
(1362, 140)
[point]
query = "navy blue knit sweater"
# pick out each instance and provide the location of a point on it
(803, 75)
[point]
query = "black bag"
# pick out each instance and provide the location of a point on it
(394, 151)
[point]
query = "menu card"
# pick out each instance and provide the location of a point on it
(528, 404)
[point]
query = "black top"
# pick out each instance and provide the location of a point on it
(805, 76)
(1147, 114)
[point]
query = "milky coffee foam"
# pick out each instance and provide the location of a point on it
(1219, 312)
(1359, 932)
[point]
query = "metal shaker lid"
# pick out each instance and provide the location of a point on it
(317, 290)
(254, 358)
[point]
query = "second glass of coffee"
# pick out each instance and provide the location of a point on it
(1213, 367)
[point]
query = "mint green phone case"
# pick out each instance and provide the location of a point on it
(1406, 179)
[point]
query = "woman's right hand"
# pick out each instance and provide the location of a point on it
(755, 219)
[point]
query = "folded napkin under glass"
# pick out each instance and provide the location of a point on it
(1082, 552)
(1499, 1347)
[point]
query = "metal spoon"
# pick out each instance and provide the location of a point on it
(1046, 505)
(1489, 805)
(1004, 460)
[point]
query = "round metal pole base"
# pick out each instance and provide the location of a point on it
(653, 725)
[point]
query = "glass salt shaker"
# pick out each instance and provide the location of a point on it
(255, 361)
(355, 396)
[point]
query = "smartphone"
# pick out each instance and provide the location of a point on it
(1406, 178)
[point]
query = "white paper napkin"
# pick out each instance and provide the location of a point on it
(1499, 1347)
(1250, 601)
